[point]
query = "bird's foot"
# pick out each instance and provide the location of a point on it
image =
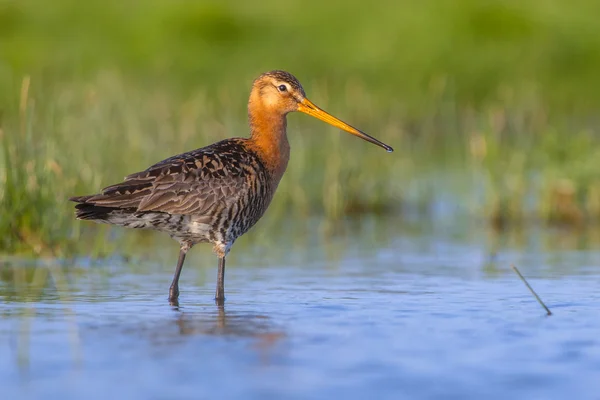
(220, 299)
(174, 295)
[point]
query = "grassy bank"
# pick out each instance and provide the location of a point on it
(489, 106)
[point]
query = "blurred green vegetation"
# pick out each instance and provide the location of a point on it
(490, 105)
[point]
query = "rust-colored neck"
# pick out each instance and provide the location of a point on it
(268, 135)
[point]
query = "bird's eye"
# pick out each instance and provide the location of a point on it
(282, 88)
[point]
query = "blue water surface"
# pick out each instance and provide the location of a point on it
(372, 312)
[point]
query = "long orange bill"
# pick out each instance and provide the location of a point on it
(307, 107)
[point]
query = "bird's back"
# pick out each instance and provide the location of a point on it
(212, 194)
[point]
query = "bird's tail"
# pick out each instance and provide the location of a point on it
(128, 217)
(92, 212)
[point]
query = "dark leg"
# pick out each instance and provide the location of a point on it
(220, 294)
(174, 289)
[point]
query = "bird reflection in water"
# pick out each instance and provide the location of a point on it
(188, 326)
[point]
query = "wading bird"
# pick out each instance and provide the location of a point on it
(217, 193)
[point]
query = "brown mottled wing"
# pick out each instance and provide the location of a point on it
(189, 183)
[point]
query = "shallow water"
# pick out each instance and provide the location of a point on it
(378, 310)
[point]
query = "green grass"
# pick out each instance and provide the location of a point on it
(489, 105)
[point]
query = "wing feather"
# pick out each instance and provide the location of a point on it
(189, 183)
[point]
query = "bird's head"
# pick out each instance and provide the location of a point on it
(280, 92)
